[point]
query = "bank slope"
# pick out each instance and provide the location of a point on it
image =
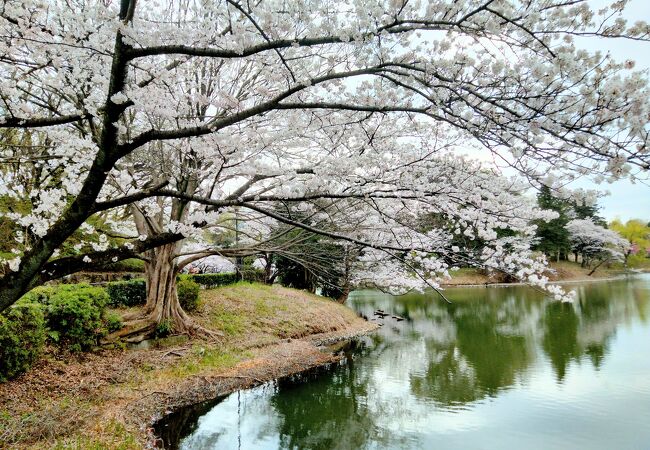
(109, 398)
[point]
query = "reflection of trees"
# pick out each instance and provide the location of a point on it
(330, 413)
(587, 327)
(481, 360)
(492, 335)
(495, 357)
(598, 321)
(449, 355)
(560, 340)
(174, 427)
(448, 380)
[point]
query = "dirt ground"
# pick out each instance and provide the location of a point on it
(109, 399)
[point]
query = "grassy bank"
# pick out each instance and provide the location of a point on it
(108, 398)
(560, 271)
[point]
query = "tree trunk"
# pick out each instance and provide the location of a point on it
(162, 298)
(344, 295)
(347, 265)
(597, 266)
(162, 305)
(269, 273)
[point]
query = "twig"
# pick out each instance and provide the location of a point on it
(173, 352)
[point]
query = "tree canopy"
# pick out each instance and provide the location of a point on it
(352, 113)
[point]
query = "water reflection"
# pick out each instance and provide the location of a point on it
(498, 368)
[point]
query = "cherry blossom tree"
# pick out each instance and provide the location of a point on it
(354, 114)
(596, 244)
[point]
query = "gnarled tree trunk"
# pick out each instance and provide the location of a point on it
(162, 306)
(162, 299)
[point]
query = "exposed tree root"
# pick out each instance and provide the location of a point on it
(144, 327)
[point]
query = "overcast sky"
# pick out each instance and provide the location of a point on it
(627, 201)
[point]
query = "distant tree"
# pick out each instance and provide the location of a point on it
(583, 210)
(638, 234)
(553, 237)
(596, 245)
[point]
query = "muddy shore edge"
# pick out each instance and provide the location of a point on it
(292, 357)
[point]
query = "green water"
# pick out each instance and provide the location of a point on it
(500, 368)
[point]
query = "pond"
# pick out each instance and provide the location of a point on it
(499, 368)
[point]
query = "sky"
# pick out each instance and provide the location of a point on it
(626, 200)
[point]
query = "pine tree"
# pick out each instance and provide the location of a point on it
(553, 235)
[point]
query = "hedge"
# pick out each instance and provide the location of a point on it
(210, 280)
(22, 335)
(134, 292)
(127, 293)
(253, 275)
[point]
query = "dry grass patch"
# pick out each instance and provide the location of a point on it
(465, 276)
(559, 271)
(569, 270)
(200, 358)
(250, 314)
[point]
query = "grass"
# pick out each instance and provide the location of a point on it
(467, 275)
(260, 314)
(201, 359)
(58, 421)
(570, 270)
(228, 322)
(112, 436)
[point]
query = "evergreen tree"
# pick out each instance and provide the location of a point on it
(553, 237)
(584, 211)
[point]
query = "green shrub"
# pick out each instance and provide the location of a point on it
(74, 316)
(127, 293)
(253, 275)
(40, 294)
(188, 294)
(164, 329)
(113, 322)
(22, 335)
(211, 280)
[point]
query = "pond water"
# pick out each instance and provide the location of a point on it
(499, 368)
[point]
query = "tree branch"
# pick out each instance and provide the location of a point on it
(38, 122)
(64, 266)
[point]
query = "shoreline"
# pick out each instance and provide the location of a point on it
(480, 280)
(313, 354)
(520, 283)
(111, 398)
